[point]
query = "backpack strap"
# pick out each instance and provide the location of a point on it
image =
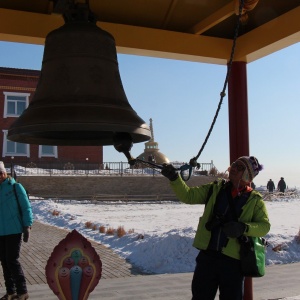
(17, 198)
(211, 190)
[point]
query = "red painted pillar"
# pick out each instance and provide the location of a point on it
(238, 111)
(238, 128)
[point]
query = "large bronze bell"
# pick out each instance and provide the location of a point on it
(79, 98)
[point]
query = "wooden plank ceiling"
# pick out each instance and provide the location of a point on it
(194, 30)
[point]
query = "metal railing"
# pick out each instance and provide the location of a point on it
(92, 169)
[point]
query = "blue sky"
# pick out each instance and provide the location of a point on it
(182, 97)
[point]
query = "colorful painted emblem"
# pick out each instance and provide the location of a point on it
(74, 268)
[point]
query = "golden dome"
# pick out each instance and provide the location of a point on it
(151, 152)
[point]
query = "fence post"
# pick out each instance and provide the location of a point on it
(87, 166)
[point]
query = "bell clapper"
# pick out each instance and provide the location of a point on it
(123, 143)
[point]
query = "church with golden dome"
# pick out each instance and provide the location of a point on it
(151, 152)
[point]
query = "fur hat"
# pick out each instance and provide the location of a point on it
(252, 167)
(2, 167)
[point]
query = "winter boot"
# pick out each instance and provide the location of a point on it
(22, 296)
(9, 297)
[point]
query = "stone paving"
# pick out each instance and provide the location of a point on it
(43, 238)
(122, 281)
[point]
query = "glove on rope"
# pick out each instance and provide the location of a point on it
(234, 229)
(170, 172)
(26, 233)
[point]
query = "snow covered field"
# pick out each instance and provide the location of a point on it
(163, 233)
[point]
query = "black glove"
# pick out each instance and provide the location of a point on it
(234, 229)
(26, 232)
(170, 172)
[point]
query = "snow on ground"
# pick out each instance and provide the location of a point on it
(163, 233)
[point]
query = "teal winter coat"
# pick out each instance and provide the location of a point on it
(254, 214)
(11, 222)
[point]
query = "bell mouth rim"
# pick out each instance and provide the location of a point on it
(104, 136)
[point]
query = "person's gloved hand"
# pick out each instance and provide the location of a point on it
(170, 172)
(234, 229)
(26, 233)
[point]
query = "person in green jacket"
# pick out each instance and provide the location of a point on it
(232, 209)
(15, 219)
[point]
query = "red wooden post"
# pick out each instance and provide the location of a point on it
(238, 111)
(248, 289)
(238, 128)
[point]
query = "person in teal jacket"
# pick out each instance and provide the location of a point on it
(15, 219)
(232, 209)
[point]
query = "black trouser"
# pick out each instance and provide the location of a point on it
(215, 270)
(14, 278)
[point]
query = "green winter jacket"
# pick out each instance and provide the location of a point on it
(254, 214)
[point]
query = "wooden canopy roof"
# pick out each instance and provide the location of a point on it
(193, 30)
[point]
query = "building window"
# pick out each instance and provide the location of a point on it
(11, 148)
(15, 104)
(47, 151)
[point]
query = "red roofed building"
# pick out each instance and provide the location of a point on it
(17, 87)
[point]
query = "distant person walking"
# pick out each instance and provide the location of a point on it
(271, 186)
(281, 185)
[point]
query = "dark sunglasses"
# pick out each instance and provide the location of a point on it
(1, 173)
(238, 166)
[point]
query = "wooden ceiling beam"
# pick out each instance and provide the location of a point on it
(273, 36)
(214, 19)
(32, 28)
(26, 27)
(129, 39)
(168, 44)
